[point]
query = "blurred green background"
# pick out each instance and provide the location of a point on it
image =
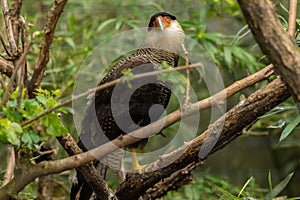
(219, 27)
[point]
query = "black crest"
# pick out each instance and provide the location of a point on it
(163, 14)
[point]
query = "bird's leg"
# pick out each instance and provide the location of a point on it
(135, 162)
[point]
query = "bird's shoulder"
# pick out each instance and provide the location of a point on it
(131, 61)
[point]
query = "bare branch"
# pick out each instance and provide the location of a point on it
(106, 85)
(6, 48)
(2, 82)
(275, 42)
(292, 17)
(95, 181)
(9, 173)
(6, 67)
(15, 14)
(229, 127)
(8, 18)
(26, 47)
(19, 63)
(52, 18)
(173, 182)
(188, 83)
(50, 167)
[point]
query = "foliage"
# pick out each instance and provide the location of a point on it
(17, 111)
(86, 23)
(213, 187)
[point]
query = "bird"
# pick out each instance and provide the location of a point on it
(118, 110)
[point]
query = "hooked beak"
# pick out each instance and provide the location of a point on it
(161, 23)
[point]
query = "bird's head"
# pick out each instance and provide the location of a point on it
(164, 32)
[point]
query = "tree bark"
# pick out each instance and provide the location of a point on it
(274, 41)
(226, 129)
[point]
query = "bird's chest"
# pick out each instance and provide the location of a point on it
(130, 107)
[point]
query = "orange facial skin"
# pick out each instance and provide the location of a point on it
(162, 22)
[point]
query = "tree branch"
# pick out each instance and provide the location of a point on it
(18, 63)
(8, 16)
(173, 182)
(15, 14)
(279, 47)
(103, 86)
(6, 67)
(9, 173)
(92, 176)
(292, 17)
(52, 167)
(52, 18)
(229, 127)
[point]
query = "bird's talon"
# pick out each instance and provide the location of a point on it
(139, 168)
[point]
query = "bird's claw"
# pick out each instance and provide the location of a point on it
(139, 168)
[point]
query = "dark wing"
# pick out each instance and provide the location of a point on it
(101, 111)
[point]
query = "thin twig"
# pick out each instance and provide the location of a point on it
(292, 17)
(9, 28)
(245, 185)
(5, 46)
(20, 63)
(2, 82)
(9, 173)
(25, 44)
(106, 85)
(6, 67)
(208, 102)
(188, 83)
(16, 6)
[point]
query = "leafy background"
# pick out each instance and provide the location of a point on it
(261, 160)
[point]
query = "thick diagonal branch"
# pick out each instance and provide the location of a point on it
(51, 167)
(224, 130)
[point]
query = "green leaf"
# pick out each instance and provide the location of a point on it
(72, 22)
(53, 126)
(270, 186)
(31, 138)
(277, 110)
(128, 76)
(70, 42)
(26, 138)
(56, 130)
(16, 127)
(35, 137)
(56, 92)
(289, 128)
(42, 99)
(119, 24)
(105, 23)
(51, 102)
(31, 108)
(12, 103)
(228, 56)
(279, 187)
(9, 131)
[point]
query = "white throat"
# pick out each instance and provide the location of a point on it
(170, 39)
